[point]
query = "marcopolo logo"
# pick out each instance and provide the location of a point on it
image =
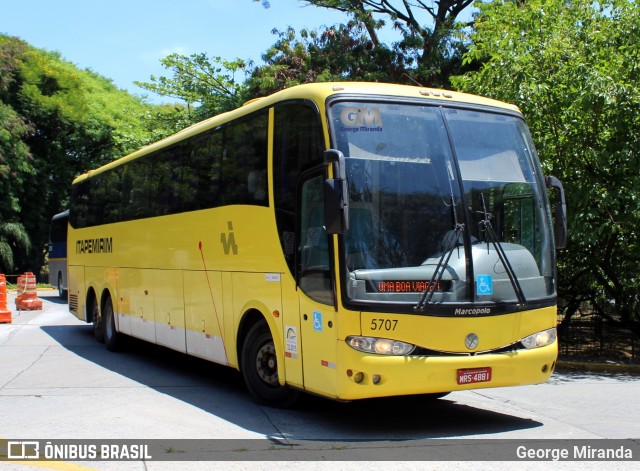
(472, 311)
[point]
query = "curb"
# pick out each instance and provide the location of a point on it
(597, 367)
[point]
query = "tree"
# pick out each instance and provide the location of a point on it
(12, 237)
(351, 51)
(430, 41)
(335, 53)
(208, 83)
(56, 122)
(573, 68)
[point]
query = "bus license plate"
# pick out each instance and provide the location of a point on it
(474, 375)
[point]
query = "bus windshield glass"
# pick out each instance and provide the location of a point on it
(445, 204)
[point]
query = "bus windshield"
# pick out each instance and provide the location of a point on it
(446, 205)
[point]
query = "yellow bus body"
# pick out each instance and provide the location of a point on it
(190, 281)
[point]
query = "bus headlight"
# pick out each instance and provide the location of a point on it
(540, 339)
(380, 346)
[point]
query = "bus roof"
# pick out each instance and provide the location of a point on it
(317, 92)
(63, 214)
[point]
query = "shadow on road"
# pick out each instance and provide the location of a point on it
(220, 391)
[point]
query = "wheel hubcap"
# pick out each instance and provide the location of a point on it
(266, 364)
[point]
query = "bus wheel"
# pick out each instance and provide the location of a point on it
(111, 335)
(260, 369)
(98, 325)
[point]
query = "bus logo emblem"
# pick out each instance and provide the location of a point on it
(363, 117)
(228, 241)
(471, 341)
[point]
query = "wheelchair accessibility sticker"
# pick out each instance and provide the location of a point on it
(317, 321)
(484, 285)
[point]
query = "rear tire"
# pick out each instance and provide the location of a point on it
(260, 369)
(98, 325)
(112, 339)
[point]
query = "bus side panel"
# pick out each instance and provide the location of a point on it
(261, 292)
(319, 336)
(168, 303)
(204, 315)
(137, 292)
(77, 292)
(123, 307)
(292, 334)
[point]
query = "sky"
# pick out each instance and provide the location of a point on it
(124, 40)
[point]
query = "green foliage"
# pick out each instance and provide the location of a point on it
(56, 122)
(337, 53)
(430, 42)
(425, 53)
(573, 69)
(209, 83)
(12, 237)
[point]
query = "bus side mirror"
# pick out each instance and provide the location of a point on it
(560, 213)
(336, 194)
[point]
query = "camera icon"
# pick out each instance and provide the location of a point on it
(23, 450)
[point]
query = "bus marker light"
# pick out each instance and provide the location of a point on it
(276, 314)
(358, 377)
(376, 379)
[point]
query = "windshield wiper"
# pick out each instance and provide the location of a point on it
(436, 278)
(427, 294)
(491, 234)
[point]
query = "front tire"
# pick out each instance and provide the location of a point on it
(260, 369)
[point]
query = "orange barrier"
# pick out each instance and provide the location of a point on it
(5, 314)
(27, 299)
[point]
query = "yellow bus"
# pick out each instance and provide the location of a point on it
(351, 240)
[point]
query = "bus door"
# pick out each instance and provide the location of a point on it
(318, 323)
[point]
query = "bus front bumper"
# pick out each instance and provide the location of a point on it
(367, 376)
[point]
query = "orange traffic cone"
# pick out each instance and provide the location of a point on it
(5, 314)
(27, 299)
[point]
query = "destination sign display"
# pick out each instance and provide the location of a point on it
(407, 286)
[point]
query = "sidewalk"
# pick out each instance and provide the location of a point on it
(598, 366)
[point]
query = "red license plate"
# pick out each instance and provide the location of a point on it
(474, 375)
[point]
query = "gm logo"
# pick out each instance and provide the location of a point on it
(358, 117)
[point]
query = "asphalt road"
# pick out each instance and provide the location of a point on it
(57, 382)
